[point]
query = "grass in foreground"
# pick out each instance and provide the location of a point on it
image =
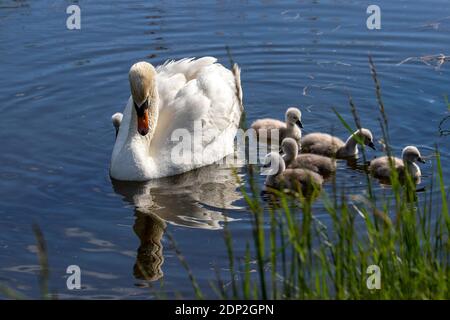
(298, 257)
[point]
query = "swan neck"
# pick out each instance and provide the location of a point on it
(289, 155)
(351, 145)
(411, 167)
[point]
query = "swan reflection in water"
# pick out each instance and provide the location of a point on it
(195, 199)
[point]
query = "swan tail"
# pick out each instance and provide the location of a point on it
(237, 80)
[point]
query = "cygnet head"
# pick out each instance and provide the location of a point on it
(367, 137)
(116, 121)
(290, 148)
(412, 154)
(142, 77)
(273, 164)
(294, 117)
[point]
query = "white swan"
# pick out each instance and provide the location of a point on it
(189, 95)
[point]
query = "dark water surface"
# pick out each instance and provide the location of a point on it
(58, 89)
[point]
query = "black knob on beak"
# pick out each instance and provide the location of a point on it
(143, 131)
(299, 123)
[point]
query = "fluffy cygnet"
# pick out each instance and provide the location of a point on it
(330, 146)
(290, 128)
(380, 168)
(116, 119)
(293, 179)
(320, 164)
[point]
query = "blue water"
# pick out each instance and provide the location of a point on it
(59, 87)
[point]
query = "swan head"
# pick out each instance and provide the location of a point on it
(289, 147)
(412, 154)
(142, 77)
(366, 136)
(294, 117)
(116, 121)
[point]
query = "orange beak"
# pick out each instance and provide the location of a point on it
(143, 125)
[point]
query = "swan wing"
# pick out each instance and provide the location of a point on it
(200, 98)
